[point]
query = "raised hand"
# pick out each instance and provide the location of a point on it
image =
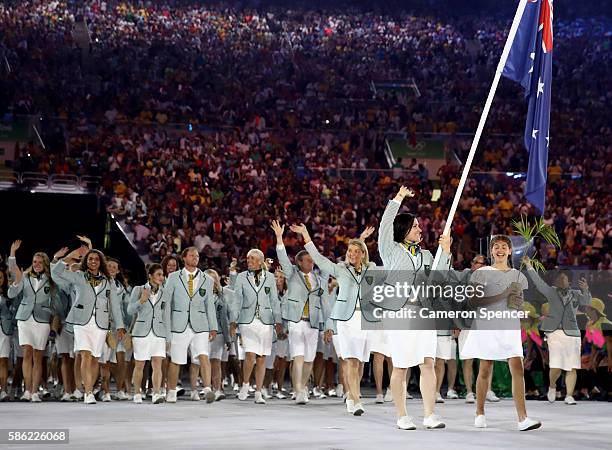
(60, 253)
(144, 296)
(278, 229)
(403, 192)
(366, 233)
(526, 262)
(301, 229)
(445, 242)
(583, 285)
(14, 247)
(85, 240)
(233, 265)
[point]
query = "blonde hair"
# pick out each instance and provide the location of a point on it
(260, 254)
(364, 248)
(216, 279)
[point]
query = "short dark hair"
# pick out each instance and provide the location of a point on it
(166, 260)
(152, 268)
(500, 238)
(187, 250)
(300, 255)
(401, 226)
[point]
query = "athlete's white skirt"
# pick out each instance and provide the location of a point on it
(377, 340)
(217, 348)
(149, 346)
(493, 345)
(564, 350)
(90, 337)
(409, 348)
(352, 339)
(257, 337)
(5, 345)
(446, 348)
(33, 333)
(64, 343)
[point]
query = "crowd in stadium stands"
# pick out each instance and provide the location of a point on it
(298, 114)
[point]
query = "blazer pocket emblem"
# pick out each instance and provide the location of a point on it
(47, 289)
(202, 292)
(369, 280)
(320, 292)
(267, 290)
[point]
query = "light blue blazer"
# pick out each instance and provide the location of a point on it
(38, 303)
(147, 315)
(250, 300)
(353, 290)
(298, 292)
(88, 302)
(197, 311)
(7, 314)
(222, 303)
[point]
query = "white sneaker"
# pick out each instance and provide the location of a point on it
(209, 395)
(306, 395)
(171, 396)
(26, 397)
(265, 394)
(480, 421)
(251, 390)
(528, 424)
(339, 390)
(350, 406)
(235, 388)
(380, 398)
(408, 396)
(65, 398)
(244, 392)
(452, 394)
(180, 391)
(121, 396)
(332, 393)
(106, 398)
(45, 393)
(569, 400)
(358, 409)
(259, 398)
(138, 398)
(280, 395)
(405, 423)
(77, 394)
(219, 395)
(157, 399)
(316, 392)
(35, 398)
(194, 396)
(163, 392)
(433, 422)
(491, 397)
(552, 395)
(439, 399)
(389, 398)
(89, 399)
(3, 396)
(300, 398)
(470, 398)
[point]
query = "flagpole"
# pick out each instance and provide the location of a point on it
(481, 123)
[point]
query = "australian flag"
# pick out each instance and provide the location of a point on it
(530, 64)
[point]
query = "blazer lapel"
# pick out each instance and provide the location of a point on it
(255, 287)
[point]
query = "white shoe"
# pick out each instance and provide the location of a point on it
(316, 392)
(569, 400)
(251, 390)
(332, 393)
(259, 398)
(280, 395)
(405, 423)
(4, 396)
(528, 424)
(26, 397)
(106, 398)
(89, 399)
(380, 398)
(209, 395)
(433, 422)
(389, 398)
(451, 395)
(491, 397)
(138, 398)
(77, 394)
(35, 398)
(171, 396)
(306, 395)
(163, 392)
(194, 396)
(180, 391)
(219, 395)
(339, 390)
(552, 395)
(480, 421)
(470, 398)
(157, 399)
(408, 396)
(121, 396)
(300, 398)
(45, 393)
(439, 399)
(350, 406)
(358, 409)
(293, 396)
(244, 392)
(265, 394)
(65, 398)
(235, 388)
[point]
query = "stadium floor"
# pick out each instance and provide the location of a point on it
(322, 424)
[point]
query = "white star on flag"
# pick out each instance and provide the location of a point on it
(540, 87)
(534, 133)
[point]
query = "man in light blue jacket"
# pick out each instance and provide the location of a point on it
(190, 318)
